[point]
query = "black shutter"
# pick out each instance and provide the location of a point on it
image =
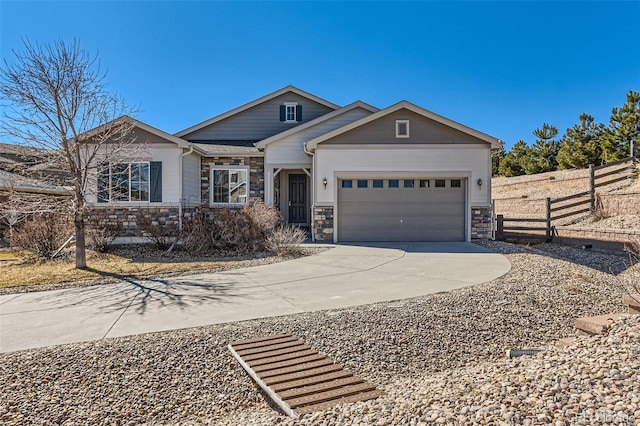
(283, 113)
(155, 181)
(298, 112)
(103, 182)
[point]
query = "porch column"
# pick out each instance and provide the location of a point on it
(268, 185)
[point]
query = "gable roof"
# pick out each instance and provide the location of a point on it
(357, 104)
(162, 134)
(495, 142)
(14, 182)
(253, 103)
(140, 125)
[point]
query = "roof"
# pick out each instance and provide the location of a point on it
(321, 119)
(495, 143)
(162, 134)
(140, 125)
(226, 147)
(12, 181)
(251, 104)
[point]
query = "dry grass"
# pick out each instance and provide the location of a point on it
(101, 266)
(8, 256)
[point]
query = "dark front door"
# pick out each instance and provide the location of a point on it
(298, 199)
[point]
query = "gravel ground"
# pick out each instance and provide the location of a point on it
(440, 358)
(614, 222)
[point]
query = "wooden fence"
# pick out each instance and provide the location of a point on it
(572, 206)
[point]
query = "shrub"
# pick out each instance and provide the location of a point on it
(285, 240)
(262, 217)
(100, 237)
(163, 235)
(229, 229)
(43, 234)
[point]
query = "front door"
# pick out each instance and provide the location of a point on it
(298, 199)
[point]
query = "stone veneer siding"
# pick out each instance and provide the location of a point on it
(256, 174)
(126, 218)
(481, 226)
(323, 224)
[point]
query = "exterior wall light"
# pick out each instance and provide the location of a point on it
(325, 182)
(480, 183)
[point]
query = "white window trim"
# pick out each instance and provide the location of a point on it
(215, 167)
(111, 200)
(398, 123)
(295, 112)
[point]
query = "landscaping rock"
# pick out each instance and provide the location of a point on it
(440, 358)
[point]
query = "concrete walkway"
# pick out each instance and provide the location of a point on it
(346, 275)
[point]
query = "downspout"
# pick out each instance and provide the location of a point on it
(180, 157)
(313, 192)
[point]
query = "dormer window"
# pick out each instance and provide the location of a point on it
(402, 128)
(291, 112)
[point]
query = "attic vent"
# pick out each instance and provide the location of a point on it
(402, 128)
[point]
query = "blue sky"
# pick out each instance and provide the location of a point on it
(503, 68)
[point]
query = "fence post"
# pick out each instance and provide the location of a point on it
(592, 187)
(548, 231)
(499, 227)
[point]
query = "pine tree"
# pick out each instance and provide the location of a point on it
(543, 155)
(623, 130)
(580, 146)
(510, 163)
(496, 158)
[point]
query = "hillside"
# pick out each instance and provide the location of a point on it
(524, 196)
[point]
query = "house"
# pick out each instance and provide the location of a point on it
(350, 173)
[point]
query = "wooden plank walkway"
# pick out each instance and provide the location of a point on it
(296, 377)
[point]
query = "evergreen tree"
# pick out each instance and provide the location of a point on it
(496, 157)
(623, 130)
(510, 163)
(580, 146)
(543, 155)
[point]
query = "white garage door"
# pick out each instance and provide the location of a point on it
(401, 209)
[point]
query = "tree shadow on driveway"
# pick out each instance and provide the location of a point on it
(141, 293)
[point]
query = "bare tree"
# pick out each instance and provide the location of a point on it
(57, 100)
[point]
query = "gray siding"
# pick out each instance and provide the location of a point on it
(191, 179)
(143, 137)
(421, 130)
(260, 121)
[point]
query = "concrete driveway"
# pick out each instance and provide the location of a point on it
(346, 275)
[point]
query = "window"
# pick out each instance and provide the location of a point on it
(363, 183)
(394, 183)
(440, 183)
(120, 182)
(229, 185)
(455, 183)
(290, 112)
(425, 183)
(378, 183)
(408, 183)
(347, 184)
(402, 128)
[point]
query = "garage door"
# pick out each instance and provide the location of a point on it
(401, 210)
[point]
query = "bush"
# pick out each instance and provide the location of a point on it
(43, 234)
(263, 218)
(100, 237)
(163, 235)
(285, 240)
(229, 229)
